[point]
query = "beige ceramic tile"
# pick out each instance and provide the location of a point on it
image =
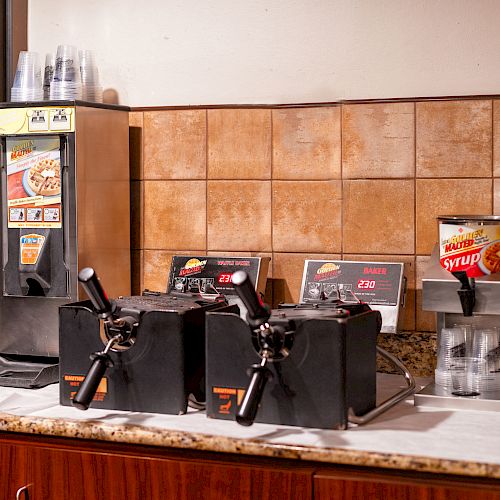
(496, 196)
(448, 197)
(157, 267)
(425, 320)
(307, 216)
(408, 312)
(306, 143)
(239, 215)
(136, 271)
(175, 144)
(136, 119)
(174, 214)
(379, 216)
(378, 140)
(496, 138)
(454, 138)
(135, 145)
(239, 144)
(287, 274)
(136, 220)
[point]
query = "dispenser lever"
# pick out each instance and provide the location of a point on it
(101, 361)
(92, 286)
(257, 313)
(253, 395)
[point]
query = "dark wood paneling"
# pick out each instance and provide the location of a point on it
(13, 470)
(16, 37)
(82, 476)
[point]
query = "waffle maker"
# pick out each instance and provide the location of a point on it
(153, 349)
(147, 353)
(309, 364)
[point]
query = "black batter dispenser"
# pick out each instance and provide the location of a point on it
(309, 365)
(146, 352)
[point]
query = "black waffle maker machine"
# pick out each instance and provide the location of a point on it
(308, 365)
(146, 352)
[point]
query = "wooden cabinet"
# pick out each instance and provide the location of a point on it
(72, 469)
(57, 470)
(350, 485)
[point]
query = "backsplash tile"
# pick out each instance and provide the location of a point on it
(239, 215)
(379, 216)
(174, 214)
(447, 197)
(239, 143)
(378, 140)
(306, 143)
(454, 138)
(350, 181)
(307, 216)
(175, 144)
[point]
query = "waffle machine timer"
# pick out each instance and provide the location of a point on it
(147, 353)
(317, 359)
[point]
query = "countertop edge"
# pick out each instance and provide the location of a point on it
(153, 436)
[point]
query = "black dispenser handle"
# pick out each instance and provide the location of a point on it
(91, 284)
(100, 363)
(253, 395)
(467, 292)
(257, 312)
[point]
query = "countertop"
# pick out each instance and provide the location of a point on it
(406, 437)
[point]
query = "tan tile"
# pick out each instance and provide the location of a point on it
(307, 216)
(379, 216)
(448, 197)
(175, 144)
(174, 214)
(378, 140)
(136, 119)
(454, 138)
(239, 215)
(136, 220)
(287, 274)
(157, 267)
(135, 143)
(306, 143)
(239, 144)
(496, 196)
(408, 312)
(136, 271)
(425, 320)
(496, 137)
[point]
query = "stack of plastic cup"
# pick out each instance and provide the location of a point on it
(28, 80)
(485, 346)
(66, 83)
(451, 346)
(91, 89)
(47, 75)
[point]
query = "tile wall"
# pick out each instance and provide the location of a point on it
(352, 181)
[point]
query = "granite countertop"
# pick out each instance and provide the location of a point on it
(406, 437)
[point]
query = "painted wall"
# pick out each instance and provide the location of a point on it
(176, 52)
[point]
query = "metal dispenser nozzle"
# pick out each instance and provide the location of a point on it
(270, 341)
(118, 330)
(467, 292)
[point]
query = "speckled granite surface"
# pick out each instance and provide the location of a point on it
(417, 350)
(406, 437)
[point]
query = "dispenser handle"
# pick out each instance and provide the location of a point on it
(253, 395)
(91, 284)
(257, 312)
(88, 388)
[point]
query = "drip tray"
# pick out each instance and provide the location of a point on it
(28, 374)
(440, 397)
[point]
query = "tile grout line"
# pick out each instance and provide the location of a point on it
(342, 181)
(272, 225)
(206, 180)
(415, 211)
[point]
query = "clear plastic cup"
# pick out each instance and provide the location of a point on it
(465, 373)
(67, 68)
(27, 84)
(485, 345)
(48, 74)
